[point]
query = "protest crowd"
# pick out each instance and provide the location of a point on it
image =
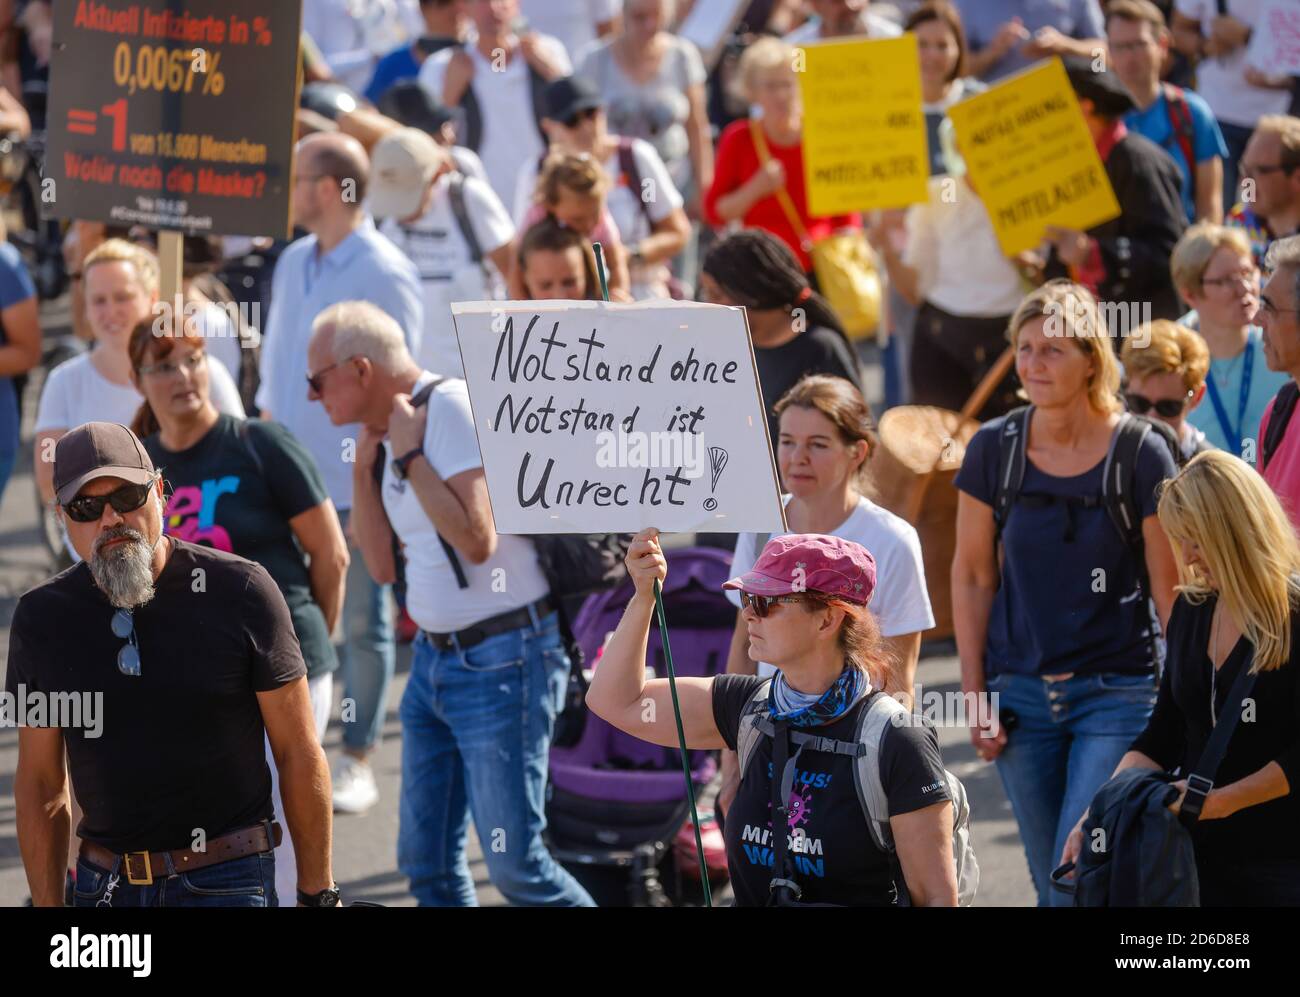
(1067, 454)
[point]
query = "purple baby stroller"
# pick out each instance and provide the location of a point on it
(616, 802)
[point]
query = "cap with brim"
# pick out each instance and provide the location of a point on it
(1109, 96)
(415, 107)
(98, 450)
(563, 98)
(811, 562)
(401, 166)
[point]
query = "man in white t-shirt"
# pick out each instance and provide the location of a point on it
(504, 73)
(644, 202)
(1238, 92)
(449, 225)
(489, 665)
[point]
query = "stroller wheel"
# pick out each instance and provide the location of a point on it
(648, 891)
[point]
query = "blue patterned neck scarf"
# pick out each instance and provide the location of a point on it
(802, 709)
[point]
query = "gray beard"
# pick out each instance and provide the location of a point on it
(125, 572)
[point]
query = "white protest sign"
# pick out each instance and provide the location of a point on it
(1275, 42)
(608, 418)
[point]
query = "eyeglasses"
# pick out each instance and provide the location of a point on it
(128, 659)
(1248, 277)
(1254, 170)
(761, 603)
(1167, 407)
(169, 368)
(128, 498)
(1267, 308)
(587, 114)
(315, 382)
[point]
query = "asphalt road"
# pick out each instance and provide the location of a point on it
(365, 846)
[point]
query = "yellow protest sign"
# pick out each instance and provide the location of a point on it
(1031, 157)
(864, 143)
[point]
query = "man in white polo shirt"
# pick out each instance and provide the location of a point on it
(489, 667)
(452, 227)
(498, 80)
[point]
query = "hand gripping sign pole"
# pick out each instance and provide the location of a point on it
(668, 659)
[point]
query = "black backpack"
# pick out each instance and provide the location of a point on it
(1118, 492)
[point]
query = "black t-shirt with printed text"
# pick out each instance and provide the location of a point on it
(832, 855)
(179, 747)
(222, 498)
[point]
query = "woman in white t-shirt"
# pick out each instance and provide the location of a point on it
(824, 446)
(121, 290)
(823, 449)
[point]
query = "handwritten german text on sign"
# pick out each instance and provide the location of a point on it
(1031, 158)
(864, 141)
(600, 418)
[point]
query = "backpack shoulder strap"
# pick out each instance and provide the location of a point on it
(1011, 465)
(1118, 478)
(747, 737)
(456, 191)
(421, 397)
(873, 721)
(1283, 408)
(1180, 118)
(537, 91)
(627, 166)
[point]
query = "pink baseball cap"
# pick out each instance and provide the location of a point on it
(811, 562)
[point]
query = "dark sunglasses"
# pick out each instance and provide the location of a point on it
(314, 380)
(128, 659)
(760, 603)
(1167, 407)
(584, 115)
(128, 498)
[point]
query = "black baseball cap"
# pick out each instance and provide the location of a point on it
(569, 96)
(1101, 86)
(413, 106)
(98, 450)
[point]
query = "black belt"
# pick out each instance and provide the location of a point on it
(493, 625)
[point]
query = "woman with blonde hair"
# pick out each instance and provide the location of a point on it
(1050, 604)
(1214, 270)
(121, 290)
(758, 175)
(1238, 608)
(805, 604)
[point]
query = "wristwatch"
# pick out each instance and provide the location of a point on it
(325, 898)
(402, 464)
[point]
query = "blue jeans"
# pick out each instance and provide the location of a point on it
(368, 654)
(244, 882)
(1069, 736)
(476, 731)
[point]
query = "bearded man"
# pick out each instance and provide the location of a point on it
(191, 654)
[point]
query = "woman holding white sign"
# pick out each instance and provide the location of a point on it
(827, 435)
(805, 602)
